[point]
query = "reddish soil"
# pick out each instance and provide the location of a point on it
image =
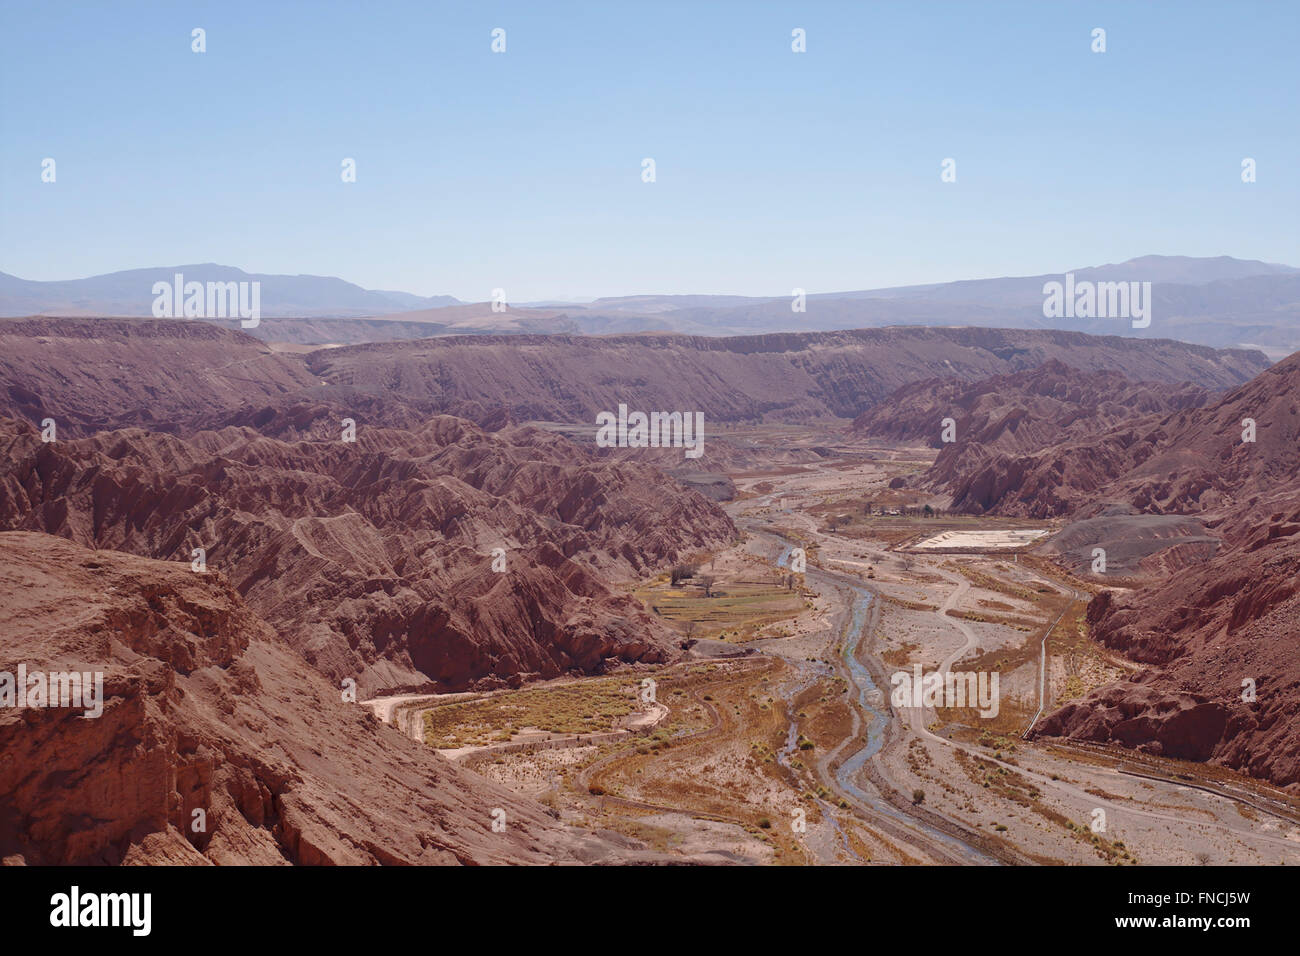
(205, 709)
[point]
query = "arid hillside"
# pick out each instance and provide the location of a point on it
(1025, 411)
(782, 377)
(89, 374)
(1218, 630)
(218, 744)
(1199, 500)
(1185, 462)
(175, 375)
(378, 559)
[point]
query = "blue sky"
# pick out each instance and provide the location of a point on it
(522, 170)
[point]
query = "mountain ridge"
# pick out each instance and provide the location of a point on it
(130, 293)
(1218, 301)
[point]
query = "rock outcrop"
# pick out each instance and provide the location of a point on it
(440, 558)
(216, 743)
(1022, 412)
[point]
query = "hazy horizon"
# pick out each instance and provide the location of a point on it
(580, 299)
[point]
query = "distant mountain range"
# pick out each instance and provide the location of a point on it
(130, 293)
(1210, 301)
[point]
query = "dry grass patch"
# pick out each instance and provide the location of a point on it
(581, 708)
(736, 608)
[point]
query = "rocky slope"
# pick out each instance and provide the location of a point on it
(1141, 547)
(94, 374)
(375, 558)
(1208, 633)
(781, 377)
(1213, 627)
(1202, 525)
(206, 710)
(1025, 411)
(1235, 617)
(1189, 461)
(176, 375)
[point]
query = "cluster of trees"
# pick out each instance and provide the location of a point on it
(684, 572)
(911, 511)
(837, 521)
